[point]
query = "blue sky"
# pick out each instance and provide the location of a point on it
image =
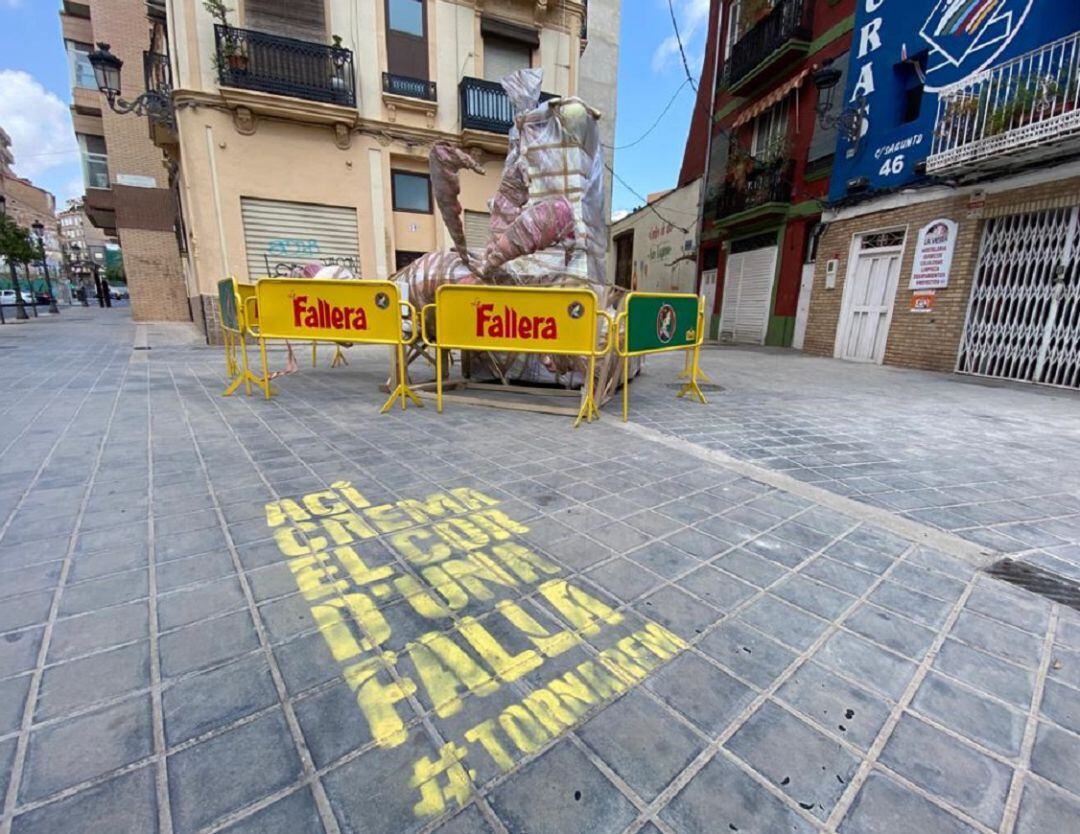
(35, 92)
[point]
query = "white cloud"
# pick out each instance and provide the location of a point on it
(693, 19)
(39, 124)
(619, 214)
(11, 4)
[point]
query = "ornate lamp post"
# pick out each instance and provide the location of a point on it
(107, 66)
(39, 232)
(849, 121)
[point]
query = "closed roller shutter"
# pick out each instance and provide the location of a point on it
(748, 285)
(477, 229)
(287, 235)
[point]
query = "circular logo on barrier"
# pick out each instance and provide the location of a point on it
(576, 309)
(665, 324)
(382, 300)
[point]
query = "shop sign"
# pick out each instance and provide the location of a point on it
(922, 301)
(933, 255)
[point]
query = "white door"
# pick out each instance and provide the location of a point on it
(708, 293)
(748, 286)
(869, 292)
(802, 310)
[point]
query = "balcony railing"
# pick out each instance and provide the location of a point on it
(767, 183)
(485, 105)
(789, 20)
(403, 85)
(1031, 101)
(156, 72)
(268, 63)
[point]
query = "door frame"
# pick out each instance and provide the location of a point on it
(855, 252)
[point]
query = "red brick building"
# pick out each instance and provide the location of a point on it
(768, 159)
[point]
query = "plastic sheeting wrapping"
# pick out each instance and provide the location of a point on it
(547, 224)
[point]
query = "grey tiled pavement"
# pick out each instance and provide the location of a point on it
(160, 671)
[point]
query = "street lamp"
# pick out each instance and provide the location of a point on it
(849, 121)
(107, 76)
(39, 232)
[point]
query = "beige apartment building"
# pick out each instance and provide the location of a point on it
(128, 190)
(302, 128)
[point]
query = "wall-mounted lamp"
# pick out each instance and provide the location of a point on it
(158, 106)
(857, 185)
(849, 121)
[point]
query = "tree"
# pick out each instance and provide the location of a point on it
(114, 274)
(16, 247)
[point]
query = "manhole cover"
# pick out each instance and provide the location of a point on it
(1038, 581)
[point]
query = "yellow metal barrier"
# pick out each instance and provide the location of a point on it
(657, 323)
(356, 312)
(548, 320)
(236, 316)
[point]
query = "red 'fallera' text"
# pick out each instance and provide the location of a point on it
(324, 315)
(510, 324)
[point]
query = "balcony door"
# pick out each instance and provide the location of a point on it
(301, 19)
(406, 38)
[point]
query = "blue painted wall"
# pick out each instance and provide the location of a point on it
(955, 39)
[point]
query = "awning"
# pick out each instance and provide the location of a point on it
(775, 97)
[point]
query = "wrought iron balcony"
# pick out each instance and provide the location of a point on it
(1014, 110)
(403, 85)
(485, 105)
(767, 184)
(157, 74)
(789, 23)
(268, 63)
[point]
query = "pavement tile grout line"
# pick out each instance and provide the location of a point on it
(902, 703)
(911, 530)
(1012, 802)
(161, 775)
(326, 813)
(22, 745)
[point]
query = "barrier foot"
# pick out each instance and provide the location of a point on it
(236, 383)
(404, 393)
(339, 357)
(692, 388)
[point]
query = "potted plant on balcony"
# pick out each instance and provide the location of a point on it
(230, 49)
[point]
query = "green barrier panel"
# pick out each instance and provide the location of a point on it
(658, 322)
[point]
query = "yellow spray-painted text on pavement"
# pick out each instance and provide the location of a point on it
(422, 602)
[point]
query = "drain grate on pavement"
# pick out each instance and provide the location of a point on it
(1038, 581)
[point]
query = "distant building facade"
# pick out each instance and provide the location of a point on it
(767, 160)
(129, 192)
(654, 249)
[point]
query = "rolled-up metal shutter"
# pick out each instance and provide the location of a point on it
(282, 236)
(477, 229)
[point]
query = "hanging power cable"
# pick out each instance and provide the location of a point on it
(682, 52)
(654, 124)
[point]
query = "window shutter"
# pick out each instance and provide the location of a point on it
(302, 19)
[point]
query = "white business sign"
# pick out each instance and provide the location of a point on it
(933, 255)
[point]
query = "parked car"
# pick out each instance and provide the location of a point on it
(118, 291)
(8, 297)
(42, 297)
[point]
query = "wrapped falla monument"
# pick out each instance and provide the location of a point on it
(547, 225)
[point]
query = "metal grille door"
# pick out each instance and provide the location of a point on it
(1024, 317)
